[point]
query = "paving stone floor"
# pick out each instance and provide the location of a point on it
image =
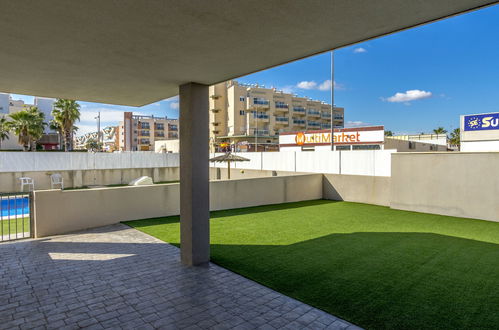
(118, 277)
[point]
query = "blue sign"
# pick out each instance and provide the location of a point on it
(481, 122)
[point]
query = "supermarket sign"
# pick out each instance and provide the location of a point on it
(359, 135)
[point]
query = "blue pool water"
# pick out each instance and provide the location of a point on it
(13, 206)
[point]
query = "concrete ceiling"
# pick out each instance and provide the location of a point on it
(137, 52)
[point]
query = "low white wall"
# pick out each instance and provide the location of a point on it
(357, 188)
(58, 212)
(457, 184)
(9, 181)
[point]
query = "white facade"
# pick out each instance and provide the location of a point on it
(4, 103)
(45, 105)
(480, 132)
(360, 138)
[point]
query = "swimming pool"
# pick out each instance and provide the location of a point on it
(14, 206)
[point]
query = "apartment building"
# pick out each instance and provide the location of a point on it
(250, 117)
(138, 133)
(49, 141)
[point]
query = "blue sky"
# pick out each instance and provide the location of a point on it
(411, 82)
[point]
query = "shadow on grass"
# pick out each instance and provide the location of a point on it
(381, 280)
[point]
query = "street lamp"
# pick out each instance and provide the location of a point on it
(98, 129)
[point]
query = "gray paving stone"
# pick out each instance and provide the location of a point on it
(115, 277)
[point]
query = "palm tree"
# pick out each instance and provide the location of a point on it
(28, 125)
(455, 137)
(66, 113)
(4, 130)
(439, 130)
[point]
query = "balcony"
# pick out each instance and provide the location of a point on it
(314, 113)
(261, 132)
(258, 103)
(299, 122)
(144, 126)
(326, 115)
(144, 133)
(159, 127)
(261, 117)
(299, 110)
(314, 124)
(159, 134)
(326, 126)
(281, 106)
(172, 127)
(281, 120)
(338, 117)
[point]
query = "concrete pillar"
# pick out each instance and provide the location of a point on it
(194, 175)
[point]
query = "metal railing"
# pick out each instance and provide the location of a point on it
(16, 216)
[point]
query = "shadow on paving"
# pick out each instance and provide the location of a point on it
(117, 277)
(381, 280)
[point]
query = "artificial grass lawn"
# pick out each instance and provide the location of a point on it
(376, 267)
(7, 226)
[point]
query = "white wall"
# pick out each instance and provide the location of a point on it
(355, 162)
(473, 146)
(61, 161)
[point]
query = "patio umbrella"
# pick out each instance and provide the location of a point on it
(228, 157)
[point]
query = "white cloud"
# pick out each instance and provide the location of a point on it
(324, 86)
(408, 96)
(307, 85)
(287, 89)
(174, 105)
(360, 50)
(356, 124)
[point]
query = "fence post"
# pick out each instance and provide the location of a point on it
(31, 206)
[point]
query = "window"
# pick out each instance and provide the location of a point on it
(242, 112)
(307, 148)
(412, 145)
(342, 147)
(241, 98)
(261, 101)
(366, 147)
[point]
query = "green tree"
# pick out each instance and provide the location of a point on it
(66, 113)
(28, 125)
(455, 137)
(93, 145)
(388, 133)
(4, 130)
(439, 130)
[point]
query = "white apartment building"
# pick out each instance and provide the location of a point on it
(247, 115)
(139, 133)
(8, 106)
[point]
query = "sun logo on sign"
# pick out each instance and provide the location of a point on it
(473, 122)
(300, 138)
